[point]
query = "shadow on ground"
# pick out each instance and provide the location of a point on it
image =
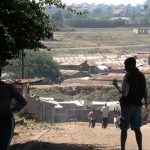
(37, 145)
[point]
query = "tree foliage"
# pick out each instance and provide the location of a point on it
(92, 23)
(37, 64)
(23, 24)
(138, 15)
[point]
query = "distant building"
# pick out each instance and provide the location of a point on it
(56, 14)
(142, 31)
(73, 74)
(120, 18)
(93, 67)
(42, 108)
(70, 65)
(116, 12)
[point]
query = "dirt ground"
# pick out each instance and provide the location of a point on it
(79, 136)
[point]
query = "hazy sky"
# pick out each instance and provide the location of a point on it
(133, 2)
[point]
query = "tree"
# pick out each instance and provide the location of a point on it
(41, 64)
(67, 15)
(23, 24)
(97, 12)
(145, 8)
(37, 64)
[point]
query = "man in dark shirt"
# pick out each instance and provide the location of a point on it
(133, 91)
(7, 122)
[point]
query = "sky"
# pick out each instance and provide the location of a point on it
(116, 2)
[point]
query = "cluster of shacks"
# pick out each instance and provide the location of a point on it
(98, 68)
(78, 70)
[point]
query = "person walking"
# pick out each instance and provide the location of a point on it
(117, 112)
(7, 122)
(133, 91)
(92, 118)
(105, 114)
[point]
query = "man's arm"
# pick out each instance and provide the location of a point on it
(115, 83)
(21, 102)
(145, 98)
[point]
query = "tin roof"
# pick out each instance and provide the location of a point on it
(51, 101)
(24, 81)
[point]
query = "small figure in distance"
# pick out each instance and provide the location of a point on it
(92, 118)
(132, 92)
(105, 115)
(117, 113)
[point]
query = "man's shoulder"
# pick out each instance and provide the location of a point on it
(2, 83)
(141, 73)
(105, 107)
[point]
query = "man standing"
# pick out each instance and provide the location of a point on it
(7, 122)
(105, 114)
(133, 91)
(92, 118)
(117, 112)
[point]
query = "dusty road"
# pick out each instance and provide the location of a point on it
(75, 137)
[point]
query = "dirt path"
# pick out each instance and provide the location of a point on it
(76, 137)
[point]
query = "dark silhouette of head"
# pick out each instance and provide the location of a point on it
(0, 73)
(130, 64)
(93, 110)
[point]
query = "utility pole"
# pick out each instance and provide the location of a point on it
(0, 73)
(22, 65)
(22, 70)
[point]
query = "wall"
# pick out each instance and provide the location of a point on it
(40, 110)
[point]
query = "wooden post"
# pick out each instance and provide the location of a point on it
(22, 68)
(0, 72)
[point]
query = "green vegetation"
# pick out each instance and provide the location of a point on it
(28, 120)
(89, 94)
(36, 64)
(23, 24)
(103, 15)
(93, 23)
(57, 95)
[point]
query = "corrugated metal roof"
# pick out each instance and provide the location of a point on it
(69, 72)
(71, 63)
(102, 58)
(50, 100)
(76, 102)
(24, 81)
(108, 77)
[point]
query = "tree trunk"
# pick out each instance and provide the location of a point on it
(0, 72)
(22, 65)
